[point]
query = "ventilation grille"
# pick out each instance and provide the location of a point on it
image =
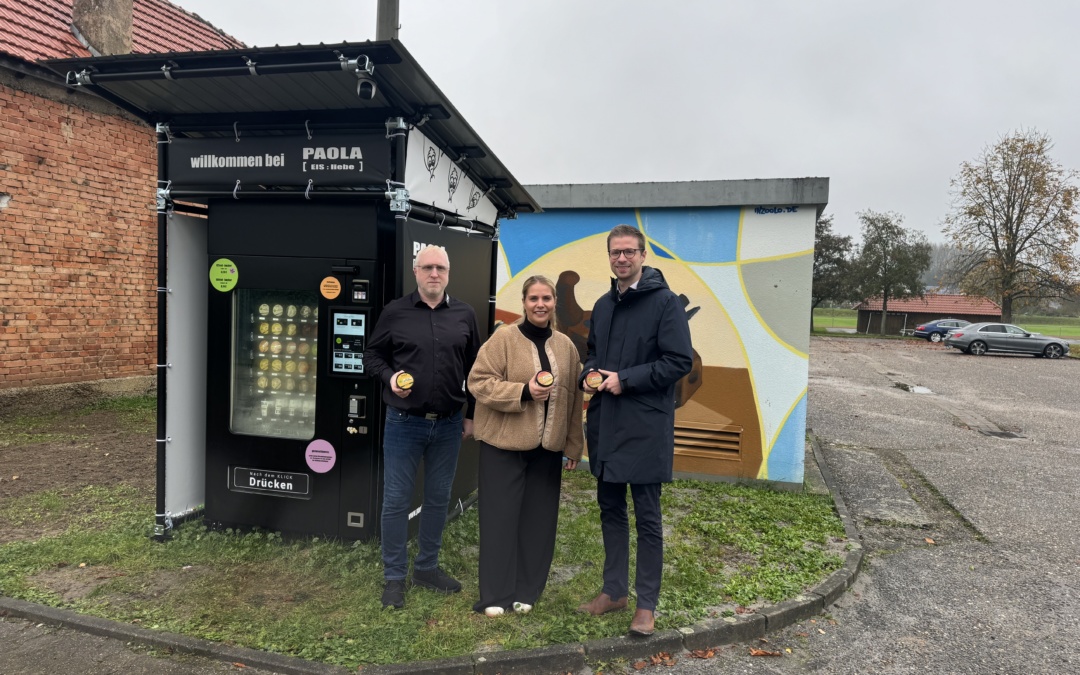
(708, 441)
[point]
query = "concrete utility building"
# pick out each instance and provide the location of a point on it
(740, 253)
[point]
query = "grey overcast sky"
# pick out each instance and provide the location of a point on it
(886, 99)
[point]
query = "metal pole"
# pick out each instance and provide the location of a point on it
(161, 521)
(386, 20)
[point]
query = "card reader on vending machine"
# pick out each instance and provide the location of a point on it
(348, 335)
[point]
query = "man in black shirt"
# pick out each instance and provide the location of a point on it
(433, 338)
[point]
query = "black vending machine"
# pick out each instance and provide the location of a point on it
(293, 422)
(294, 187)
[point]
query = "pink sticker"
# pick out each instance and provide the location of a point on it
(320, 456)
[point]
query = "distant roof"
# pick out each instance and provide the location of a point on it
(754, 192)
(41, 29)
(934, 303)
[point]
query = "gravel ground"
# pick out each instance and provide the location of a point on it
(997, 591)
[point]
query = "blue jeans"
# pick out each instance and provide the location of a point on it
(406, 440)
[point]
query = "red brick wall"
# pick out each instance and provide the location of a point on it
(78, 243)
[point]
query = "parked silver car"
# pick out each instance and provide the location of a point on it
(979, 338)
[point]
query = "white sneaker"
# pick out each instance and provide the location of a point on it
(493, 611)
(522, 608)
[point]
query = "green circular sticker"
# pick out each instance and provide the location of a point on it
(223, 275)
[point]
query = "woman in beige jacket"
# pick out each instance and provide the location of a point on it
(525, 429)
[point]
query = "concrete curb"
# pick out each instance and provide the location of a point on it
(253, 658)
(568, 658)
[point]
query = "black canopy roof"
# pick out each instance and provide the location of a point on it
(273, 90)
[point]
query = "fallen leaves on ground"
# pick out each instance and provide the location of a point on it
(703, 653)
(762, 652)
(930, 541)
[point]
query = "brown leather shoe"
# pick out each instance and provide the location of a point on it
(602, 604)
(642, 623)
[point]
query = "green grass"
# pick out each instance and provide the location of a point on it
(834, 318)
(1064, 327)
(727, 546)
(1057, 326)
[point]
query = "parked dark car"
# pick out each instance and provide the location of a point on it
(935, 331)
(979, 338)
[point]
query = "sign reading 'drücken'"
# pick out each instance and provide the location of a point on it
(337, 161)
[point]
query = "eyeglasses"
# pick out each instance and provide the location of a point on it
(428, 269)
(630, 253)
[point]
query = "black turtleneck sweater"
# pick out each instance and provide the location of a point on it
(538, 336)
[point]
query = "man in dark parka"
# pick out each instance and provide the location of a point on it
(639, 341)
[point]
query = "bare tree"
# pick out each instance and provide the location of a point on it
(891, 260)
(1014, 222)
(832, 278)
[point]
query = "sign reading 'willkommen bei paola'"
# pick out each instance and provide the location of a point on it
(329, 161)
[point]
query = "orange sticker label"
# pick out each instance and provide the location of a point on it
(330, 288)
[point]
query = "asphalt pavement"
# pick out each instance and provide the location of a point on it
(961, 475)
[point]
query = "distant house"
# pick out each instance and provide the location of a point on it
(77, 193)
(906, 314)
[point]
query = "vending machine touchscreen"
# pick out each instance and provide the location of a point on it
(348, 333)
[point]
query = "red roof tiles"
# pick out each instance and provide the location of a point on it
(41, 29)
(934, 303)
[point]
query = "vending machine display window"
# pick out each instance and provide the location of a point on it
(275, 348)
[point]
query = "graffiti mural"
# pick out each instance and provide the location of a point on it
(744, 276)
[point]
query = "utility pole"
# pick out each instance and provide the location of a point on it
(386, 20)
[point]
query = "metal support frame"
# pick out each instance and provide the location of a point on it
(162, 522)
(399, 199)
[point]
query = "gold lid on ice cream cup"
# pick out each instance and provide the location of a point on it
(594, 379)
(545, 379)
(404, 381)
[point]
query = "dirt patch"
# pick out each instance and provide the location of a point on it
(73, 583)
(68, 452)
(82, 450)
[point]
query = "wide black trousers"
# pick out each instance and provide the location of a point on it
(519, 515)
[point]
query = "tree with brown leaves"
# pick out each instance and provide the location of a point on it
(1014, 222)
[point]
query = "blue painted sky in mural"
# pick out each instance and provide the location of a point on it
(695, 235)
(532, 235)
(786, 459)
(692, 235)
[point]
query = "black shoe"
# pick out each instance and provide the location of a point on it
(436, 580)
(393, 594)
